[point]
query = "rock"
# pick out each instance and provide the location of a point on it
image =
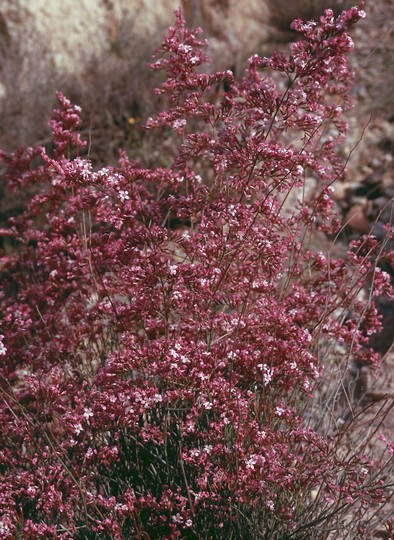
(283, 13)
(340, 191)
(379, 230)
(384, 209)
(92, 50)
(356, 219)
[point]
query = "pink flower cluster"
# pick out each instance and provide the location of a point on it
(161, 326)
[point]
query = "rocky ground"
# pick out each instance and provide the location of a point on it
(366, 196)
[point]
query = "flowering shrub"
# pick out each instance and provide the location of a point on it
(166, 330)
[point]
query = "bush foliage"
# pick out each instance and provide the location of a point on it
(167, 332)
